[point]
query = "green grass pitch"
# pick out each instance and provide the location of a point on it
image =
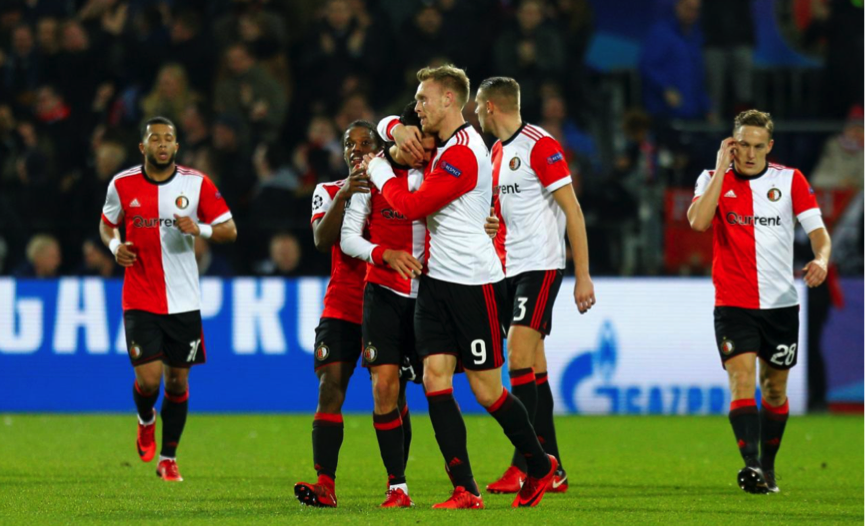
(240, 469)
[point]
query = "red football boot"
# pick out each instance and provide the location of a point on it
(559, 483)
(461, 499)
(321, 494)
(396, 497)
(167, 470)
(146, 443)
(534, 488)
(510, 483)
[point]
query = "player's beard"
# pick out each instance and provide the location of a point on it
(152, 160)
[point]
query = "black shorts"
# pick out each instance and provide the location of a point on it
(466, 321)
(388, 327)
(337, 341)
(176, 339)
(531, 296)
(772, 333)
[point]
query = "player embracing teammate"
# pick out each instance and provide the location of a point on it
(753, 207)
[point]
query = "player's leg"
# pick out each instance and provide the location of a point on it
(144, 344)
(773, 418)
(543, 423)
(405, 414)
(389, 432)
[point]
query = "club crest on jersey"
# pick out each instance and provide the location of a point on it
(370, 354)
(515, 163)
(321, 352)
(450, 169)
(555, 158)
(181, 202)
(773, 194)
(727, 346)
(135, 351)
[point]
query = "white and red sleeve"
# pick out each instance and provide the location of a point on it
(549, 163)
(212, 207)
(456, 173)
(321, 201)
(112, 211)
(386, 126)
(351, 239)
(805, 203)
(702, 184)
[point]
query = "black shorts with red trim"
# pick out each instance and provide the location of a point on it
(532, 295)
(337, 340)
(771, 333)
(175, 339)
(388, 327)
(466, 321)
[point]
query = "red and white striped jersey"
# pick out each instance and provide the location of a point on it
(752, 261)
(527, 168)
(388, 229)
(455, 199)
(344, 296)
(164, 278)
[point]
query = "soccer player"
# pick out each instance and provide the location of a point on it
(163, 207)
(394, 252)
(535, 202)
(457, 316)
(338, 336)
(753, 206)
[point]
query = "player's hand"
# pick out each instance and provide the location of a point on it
(403, 263)
(492, 224)
(584, 294)
(815, 272)
(408, 140)
(186, 225)
(357, 182)
(124, 255)
(725, 155)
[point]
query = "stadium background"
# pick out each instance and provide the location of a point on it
(260, 91)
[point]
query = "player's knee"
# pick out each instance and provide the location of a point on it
(774, 392)
(176, 384)
(434, 380)
(742, 381)
(148, 386)
(330, 393)
(385, 389)
(486, 397)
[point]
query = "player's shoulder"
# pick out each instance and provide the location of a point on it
(783, 171)
(329, 187)
(191, 172)
(129, 172)
(533, 133)
(465, 141)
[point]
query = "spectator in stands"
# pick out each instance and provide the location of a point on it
(170, 95)
(231, 163)
(319, 159)
(196, 151)
(285, 256)
(841, 165)
(262, 31)
(671, 66)
(190, 48)
(574, 18)
(80, 66)
(43, 258)
(98, 260)
(210, 263)
(532, 53)
(728, 26)
(48, 42)
(21, 72)
(250, 92)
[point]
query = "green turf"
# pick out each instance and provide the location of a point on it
(59, 469)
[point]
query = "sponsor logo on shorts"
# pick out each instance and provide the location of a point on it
(515, 163)
(773, 194)
(555, 158)
(370, 354)
(450, 169)
(181, 202)
(727, 346)
(321, 352)
(135, 351)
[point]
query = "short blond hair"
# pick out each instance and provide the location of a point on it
(38, 243)
(504, 91)
(754, 118)
(451, 77)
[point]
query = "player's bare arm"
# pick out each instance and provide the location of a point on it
(225, 232)
(121, 251)
(492, 225)
(326, 230)
(408, 140)
(701, 212)
(584, 289)
(817, 269)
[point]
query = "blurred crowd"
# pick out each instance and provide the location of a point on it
(261, 90)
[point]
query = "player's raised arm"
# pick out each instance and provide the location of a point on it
(351, 240)
(702, 210)
(326, 228)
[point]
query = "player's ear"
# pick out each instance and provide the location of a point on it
(770, 145)
(141, 147)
